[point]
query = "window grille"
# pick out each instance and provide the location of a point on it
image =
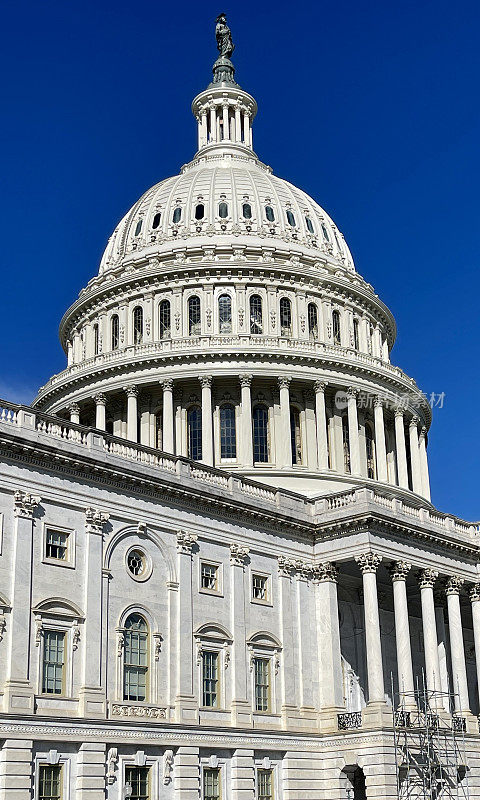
(336, 327)
(228, 436)
(262, 684)
(56, 545)
(346, 445)
(138, 779)
(194, 318)
(164, 319)
(259, 587)
(225, 313)
(194, 424)
(135, 660)
(53, 662)
(312, 321)
(295, 435)
(370, 448)
(256, 315)
(50, 782)
(210, 678)
(264, 784)
(211, 784)
(285, 317)
(138, 325)
(260, 434)
(209, 577)
(115, 332)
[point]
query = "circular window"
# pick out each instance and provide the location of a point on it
(138, 564)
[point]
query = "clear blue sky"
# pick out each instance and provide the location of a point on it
(370, 107)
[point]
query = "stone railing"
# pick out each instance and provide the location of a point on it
(231, 343)
(349, 720)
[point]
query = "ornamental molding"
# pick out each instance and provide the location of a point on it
(454, 585)
(95, 520)
(286, 566)
(25, 504)
(148, 712)
(399, 570)
(131, 391)
(238, 554)
(186, 542)
(100, 399)
(112, 763)
(368, 562)
(427, 578)
(157, 645)
(325, 572)
(475, 592)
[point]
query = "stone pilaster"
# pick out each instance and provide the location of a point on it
(91, 769)
(185, 703)
(16, 780)
(289, 668)
(329, 654)
(243, 775)
(241, 709)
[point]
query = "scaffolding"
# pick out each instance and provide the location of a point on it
(429, 740)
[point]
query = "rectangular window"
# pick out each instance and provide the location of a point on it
(262, 684)
(211, 784)
(135, 665)
(50, 782)
(210, 679)
(56, 545)
(264, 784)
(259, 587)
(53, 662)
(136, 778)
(209, 577)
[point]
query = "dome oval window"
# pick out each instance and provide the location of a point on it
(200, 211)
(156, 220)
(222, 210)
(290, 218)
(177, 215)
(269, 213)
(247, 211)
(309, 225)
(138, 227)
(325, 233)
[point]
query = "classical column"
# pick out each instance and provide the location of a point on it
(368, 563)
(283, 444)
(321, 424)
(246, 443)
(247, 129)
(329, 654)
(238, 124)
(100, 411)
(353, 437)
(19, 692)
(406, 687)
(91, 696)
(226, 131)
(457, 648)
(304, 609)
(415, 455)
(401, 449)
(132, 413)
(74, 410)
(380, 447)
(427, 580)
(213, 123)
(185, 700)
(241, 710)
(475, 601)
(207, 426)
(424, 463)
(168, 435)
(286, 568)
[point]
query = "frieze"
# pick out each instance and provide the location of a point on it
(148, 712)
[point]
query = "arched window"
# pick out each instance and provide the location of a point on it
(337, 339)
(222, 210)
(346, 445)
(325, 232)
(370, 448)
(256, 319)
(285, 317)
(156, 220)
(228, 436)
(177, 215)
(270, 214)
(290, 218)
(138, 325)
(225, 313)
(356, 342)
(312, 321)
(260, 434)
(164, 319)
(194, 429)
(114, 328)
(309, 225)
(295, 435)
(200, 211)
(247, 211)
(135, 658)
(96, 340)
(194, 319)
(138, 227)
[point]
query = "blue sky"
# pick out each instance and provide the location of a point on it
(370, 107)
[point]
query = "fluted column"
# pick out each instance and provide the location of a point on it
(213, 123)
(167, 418)
(246, 441)
(283, 441)
(380, 447)
(238, 124)
(100, 411)
(74, 410)
(330, 660)
(368, 564)
(132, 413)
(427, 580)
(321, 424)
(402, 471)
(475, 601)
(247, 129)
(353, 437)
(424, 463)
(457, 648)
(415, 455)
(226, 131)
(207, 427)
(399, 572)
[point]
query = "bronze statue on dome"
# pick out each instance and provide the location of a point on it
(223, 36)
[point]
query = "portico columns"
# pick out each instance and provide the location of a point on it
(402, 472)
(424, 463)
(399, 572)
(457, 649)
(415, 455)
(353, 437)
(100, 411)
(207, 427)
(246, 444)
(380, 447)
(475, 601)
(321, 424)
(132, 413)
(427, 580)
(168, 435)
(368, 564)
(284, 455)
(74, 410)
(330, 660)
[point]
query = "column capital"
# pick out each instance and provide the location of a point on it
(474, 592)
(325, 572)
(245, 380)
(352, 392)
(186, 541)
(95, 520)
(368, 562)
(167, 384)
(100, 399)
(238, 554)
(414, 422)
(205, 381)
(398, 411)
(286, 566)
(427, 578)
(399, 570)
(423, 432)
(131, 391)
(284, 382)
(378, 401)
(74, 408)
(25, 504)
(320, 386)
(454, 585)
